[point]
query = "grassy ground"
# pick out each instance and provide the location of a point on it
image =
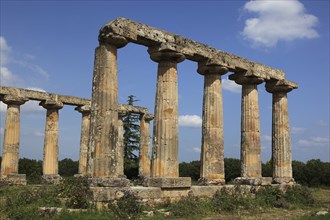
(300, 204)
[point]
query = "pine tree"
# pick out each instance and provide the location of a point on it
(131, 140)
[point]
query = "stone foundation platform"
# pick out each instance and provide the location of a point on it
(51, 179)
(13, 179)
(162, 182)
(108, 182)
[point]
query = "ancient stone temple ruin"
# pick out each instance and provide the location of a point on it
(101, 148)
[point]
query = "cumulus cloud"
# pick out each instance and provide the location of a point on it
(231, 86)
(4, 51)
(276, 21)
(3, 107)
(266, 138)
(297, 130)
(38, 134)
(196, 149)
(314, 141)
(32, 106)
(190, 121)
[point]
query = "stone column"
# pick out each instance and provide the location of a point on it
(281, 146)
(50, 160)
(84, 137)
(144, 154)
(250, 128)
(10, 151)
(165, 164)
(120, 145)
(104, 165)
(212, 155)
(165, 143)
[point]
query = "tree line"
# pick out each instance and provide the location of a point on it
(312, 173)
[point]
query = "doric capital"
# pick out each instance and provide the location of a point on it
(83, 109)
(147, 117)
(14, 100)
(113, 39)
(211, 67)
(285, 86)
(243, 79)
(51, 104)
(161, 53)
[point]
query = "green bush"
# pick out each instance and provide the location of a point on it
(127, 207)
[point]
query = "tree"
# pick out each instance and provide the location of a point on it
(131, 140)
(232, 169)
(68, 167)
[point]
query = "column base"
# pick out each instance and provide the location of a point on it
(13, 179)
(168, 182)
(54, 179)
(108, 182)
(210, 182)
(283, 180)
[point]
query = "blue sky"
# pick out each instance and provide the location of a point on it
(49, 46)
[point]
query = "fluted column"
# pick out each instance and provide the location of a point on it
(165, 140)
(212, 154)
(281, 146)
(10, 151)
(120, 145)
(84, 137)
(144, 154)
(50, 159)
(250, 127)
(103, 161)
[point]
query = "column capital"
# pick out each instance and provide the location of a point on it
(113, 39)
(147, 117)
(51, 104)
(162, 53)
(15, 100)
(83, 109)
(245, 79)
(211, 67)
(275, 86)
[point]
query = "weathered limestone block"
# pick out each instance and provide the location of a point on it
(50, 160)
(13, 179)
(281, 146)
(84, 137)
(103, 159)
(250, 126)
(179, 182)
(144, 154)
(212, 155)
(165, 143)
(108, 182)
(10, 151)
(51, 179)
(120, 144)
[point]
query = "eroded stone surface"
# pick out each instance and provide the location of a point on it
(178, 182)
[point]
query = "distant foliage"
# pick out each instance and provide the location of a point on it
(67, 167)
(191, 169)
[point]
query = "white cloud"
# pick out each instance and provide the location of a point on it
(4, 51)
(190, 121)
(266, 138)
(2, 130)
(3, 107)
(38, 134)
(36, 89)
(197, 150)
(32, 106)
(297, 130)
(314, 141)
(276, 21)
(231, 86)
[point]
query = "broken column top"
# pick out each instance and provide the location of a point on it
(148, 36)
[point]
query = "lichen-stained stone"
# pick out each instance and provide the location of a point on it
(10, 151)
(212, 153)
(281, 143)
(144, 153)
(165, 139)
(50, 159)
(168, 182)
(85, 111)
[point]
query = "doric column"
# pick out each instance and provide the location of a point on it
(10, 151)
(84, 137)
(104, 163)
(50, 160)
(120, 145)
(144, 154)
(281, 146)
(250, 126)
(165, 140)
(212, 154)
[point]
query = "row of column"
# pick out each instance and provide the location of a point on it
(165, 132)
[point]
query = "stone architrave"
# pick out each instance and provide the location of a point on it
(165, 140)
(281, 145)
(250, 128)
(50, 159)
(144, 154)
(10, 151)
(212, 154)
(103, 161)
(84, 137)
